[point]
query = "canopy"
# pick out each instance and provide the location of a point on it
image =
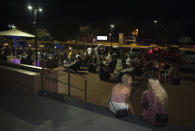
(15, 33)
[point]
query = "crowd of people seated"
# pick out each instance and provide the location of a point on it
(122, 69)
(105, 62)
(110, 66)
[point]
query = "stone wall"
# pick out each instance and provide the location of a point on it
(28, 80)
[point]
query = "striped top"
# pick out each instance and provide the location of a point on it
(119, 98)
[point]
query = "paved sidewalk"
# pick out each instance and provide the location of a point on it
(24, 111)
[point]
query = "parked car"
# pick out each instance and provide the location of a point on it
(136, 52)
(155, 52)
(188, 56)
(118, 51)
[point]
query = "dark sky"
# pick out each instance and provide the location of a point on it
(59, 14)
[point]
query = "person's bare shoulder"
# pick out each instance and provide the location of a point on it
(127, 90)
(115, 86)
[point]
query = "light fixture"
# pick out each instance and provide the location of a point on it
(30, 7)
(112, 26)
(40, 9)
(6, 44)
(155, 21)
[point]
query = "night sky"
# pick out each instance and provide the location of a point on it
(59, 15)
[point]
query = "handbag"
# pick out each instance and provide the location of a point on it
(120, 113)
(160, 118)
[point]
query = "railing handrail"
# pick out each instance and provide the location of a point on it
(69, 83)
(71, 70)
(48, 77)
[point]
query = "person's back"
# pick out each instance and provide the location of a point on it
(29, 60)
(121, 93)
(151, 106)
(70, 55)
(154, 101)
(89, 51)
(103, 72)
(119, 97)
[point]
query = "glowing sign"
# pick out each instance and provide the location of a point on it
(16, 61)
(102, 38)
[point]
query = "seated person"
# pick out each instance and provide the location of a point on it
(121, 92)
(112, 65)
(129, 67)
(129, 61)
(104, 72)
(154, 100)
(92, 65)
(23, 59)
(29, 60)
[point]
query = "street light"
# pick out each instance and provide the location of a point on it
(40, 10)
(155, 21)
(155, 29)
(35, 10)
(112, 26)
(137, 33)
(30, 7)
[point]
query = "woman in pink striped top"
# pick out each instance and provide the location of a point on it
(121, 92)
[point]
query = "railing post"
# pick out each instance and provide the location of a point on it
(85, 90)
(68, 83)
(42, 75)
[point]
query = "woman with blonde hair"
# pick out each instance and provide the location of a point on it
(121, 93)
(154, 100)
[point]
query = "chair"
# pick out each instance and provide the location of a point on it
(164, 74)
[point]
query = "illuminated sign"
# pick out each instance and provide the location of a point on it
(16, 61)
(102, 38)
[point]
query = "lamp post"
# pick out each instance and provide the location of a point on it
(155, 29)
(35, 11)
(111, 27)
(137, 33)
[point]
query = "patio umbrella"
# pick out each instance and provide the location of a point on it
(15, 33)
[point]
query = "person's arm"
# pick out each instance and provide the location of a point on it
(128, 101)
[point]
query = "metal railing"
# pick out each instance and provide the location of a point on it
(69, 83)
(45, 76)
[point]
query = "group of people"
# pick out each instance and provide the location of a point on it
(154, 99)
